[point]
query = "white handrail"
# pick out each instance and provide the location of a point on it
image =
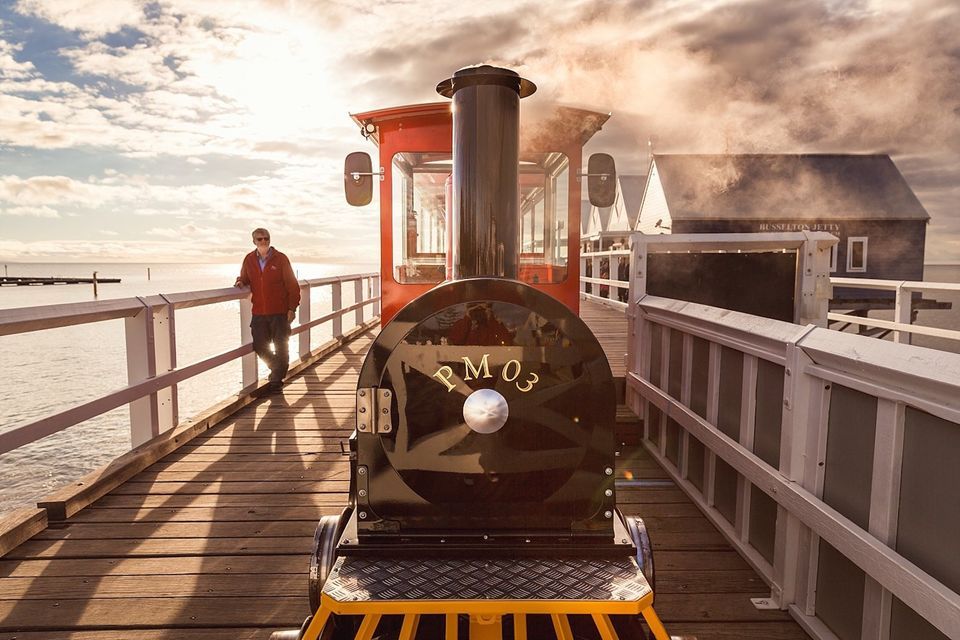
(902, 326)
(811, 360)
(893, 285)
(586, 282)
(145, 321)
(896, 327)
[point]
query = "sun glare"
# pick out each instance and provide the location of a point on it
(279, 83)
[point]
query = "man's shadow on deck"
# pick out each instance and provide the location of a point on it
(229, 545)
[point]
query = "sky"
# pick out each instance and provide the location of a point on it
(167, 130)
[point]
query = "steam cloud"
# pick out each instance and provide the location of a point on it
(753, 76)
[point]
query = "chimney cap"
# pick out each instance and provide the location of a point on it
(486, 74)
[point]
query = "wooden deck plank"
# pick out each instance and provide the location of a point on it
(265, 585)
(161, 547)
(213, 541)
(338, 473)
(246, 487)
(160, 530)
(320, 426)
(252, 467)
(268, 513)
(279, 458)
(38, 615)
(214, 500)
(187, 565)
(331, 446)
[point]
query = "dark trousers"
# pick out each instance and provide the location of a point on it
(275, 329)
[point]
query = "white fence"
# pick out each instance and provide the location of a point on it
(902, 324)
(608, 291)
(829, 460)
(151, 339)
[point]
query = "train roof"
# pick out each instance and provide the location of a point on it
(786, 186)
(561, 126)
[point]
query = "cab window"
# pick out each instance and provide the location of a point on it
(544, 217)
(421, 188)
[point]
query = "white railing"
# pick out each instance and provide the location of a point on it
(902, 324)
(823, 457)
(811, 284)
(151, 339)
(791, 437)
(590, 286)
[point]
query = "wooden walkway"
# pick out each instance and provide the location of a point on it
(212, 541)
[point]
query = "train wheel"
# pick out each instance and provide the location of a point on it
(633, 626)
(292, 634)
(324, 554)
(641, 540)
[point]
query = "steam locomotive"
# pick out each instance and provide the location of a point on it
(482, 464)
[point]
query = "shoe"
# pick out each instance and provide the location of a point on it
(274, 386)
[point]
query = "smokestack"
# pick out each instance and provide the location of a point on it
(486, 154)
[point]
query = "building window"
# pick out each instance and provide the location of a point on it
(857, 255)
(833, 257)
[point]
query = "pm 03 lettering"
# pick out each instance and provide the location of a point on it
(511, 371)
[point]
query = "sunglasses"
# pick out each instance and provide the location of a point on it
(262, 239)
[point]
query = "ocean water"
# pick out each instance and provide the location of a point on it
(44, 372)
(48, 371)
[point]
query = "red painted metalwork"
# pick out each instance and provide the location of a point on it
(428, 128)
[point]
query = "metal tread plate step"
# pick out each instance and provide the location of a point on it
(356, 580)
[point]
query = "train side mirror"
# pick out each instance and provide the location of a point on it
(358, 179)
(601, 179)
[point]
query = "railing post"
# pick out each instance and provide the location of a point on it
(357, 297)
(336, 303)
(248, 361)
(375, 283)
(903, 312)
(638, 284)
(799, 435)
(148, 351)
(583, 274)
(304, 318)
(167, 361)
(813, 288)
(884, 508)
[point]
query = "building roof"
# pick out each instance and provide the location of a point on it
(631, 189)
(786, 186)
(585, 209)
(629, 198)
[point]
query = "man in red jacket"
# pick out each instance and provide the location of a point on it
(276, 295)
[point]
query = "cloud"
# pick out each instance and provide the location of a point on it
(42, 190)
(758, 75)
(188, 231)
(10, 67)
(140, 66)
(91, 16)
(34, 212)
(272, 81)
